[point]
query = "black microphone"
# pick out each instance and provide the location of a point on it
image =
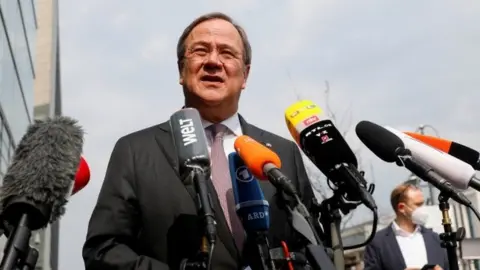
(390, 148)
(194, 162)
(38, 182)
(323, 144)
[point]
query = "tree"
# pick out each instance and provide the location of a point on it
(345, 126)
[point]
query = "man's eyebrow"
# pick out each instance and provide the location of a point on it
(220, 45)
(227, 46)
(203, 43)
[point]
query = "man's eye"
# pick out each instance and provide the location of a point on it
(200, 50)
(228, 53)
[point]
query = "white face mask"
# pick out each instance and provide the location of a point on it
(420, 215)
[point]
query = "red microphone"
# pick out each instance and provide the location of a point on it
(82, 177)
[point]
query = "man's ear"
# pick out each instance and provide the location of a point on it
(181, 79)
(246, 72)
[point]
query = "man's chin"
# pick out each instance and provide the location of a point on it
(212, 96)
(212, 102)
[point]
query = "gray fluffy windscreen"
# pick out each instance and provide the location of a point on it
(45, 163)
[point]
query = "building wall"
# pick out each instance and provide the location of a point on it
(47, 103)
(17, 49)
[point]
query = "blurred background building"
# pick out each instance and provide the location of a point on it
(17, 72)
(29, 89)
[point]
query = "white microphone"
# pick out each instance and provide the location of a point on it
(459, 174)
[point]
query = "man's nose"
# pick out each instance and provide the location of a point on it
(213, 60)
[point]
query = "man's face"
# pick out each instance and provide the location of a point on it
(214, 69)
(413, 199)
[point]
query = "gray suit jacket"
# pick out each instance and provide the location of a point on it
(145, 217)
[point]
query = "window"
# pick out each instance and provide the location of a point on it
(5, 145)
(16, 116)
(15, 36)
(30, 22)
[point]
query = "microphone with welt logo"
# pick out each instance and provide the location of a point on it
(38, 183)
(194, 166)
(251, 207)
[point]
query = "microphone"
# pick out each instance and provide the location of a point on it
(251, 207)
(327, 149)
(194, 163)
(390, 148)
(458, 173)
(265, 164)
(460, 151)
(82, 177)
(38, 181)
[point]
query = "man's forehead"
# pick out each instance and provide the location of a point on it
(215, 30)
(415, 194)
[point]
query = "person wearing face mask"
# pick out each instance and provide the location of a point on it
(406, 244)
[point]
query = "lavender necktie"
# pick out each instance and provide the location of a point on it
(223, 184)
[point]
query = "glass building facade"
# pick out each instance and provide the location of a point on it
(18, 26)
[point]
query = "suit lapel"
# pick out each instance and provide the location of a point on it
(397, 256)
(258, 135)
(430, 246)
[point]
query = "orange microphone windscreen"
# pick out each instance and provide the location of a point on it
(440, 144)
(255, 156)
(82, 177)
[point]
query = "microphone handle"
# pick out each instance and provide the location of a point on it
(353, 183)
(204, 203)
(475, 183)
(434, 178)
(17, 243)
(263, 248)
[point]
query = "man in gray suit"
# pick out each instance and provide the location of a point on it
(145, 217)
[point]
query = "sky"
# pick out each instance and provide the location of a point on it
(400, 64)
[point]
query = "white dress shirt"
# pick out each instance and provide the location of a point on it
(235, 130)
(412, 246)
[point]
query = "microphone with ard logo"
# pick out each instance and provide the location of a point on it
(251, 207)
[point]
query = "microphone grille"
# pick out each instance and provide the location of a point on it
(44, 165)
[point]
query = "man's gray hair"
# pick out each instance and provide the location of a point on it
(247, 49)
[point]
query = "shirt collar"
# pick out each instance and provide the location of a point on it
(401, 232)
(232, 123)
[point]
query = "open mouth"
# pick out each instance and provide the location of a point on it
(211, 78)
